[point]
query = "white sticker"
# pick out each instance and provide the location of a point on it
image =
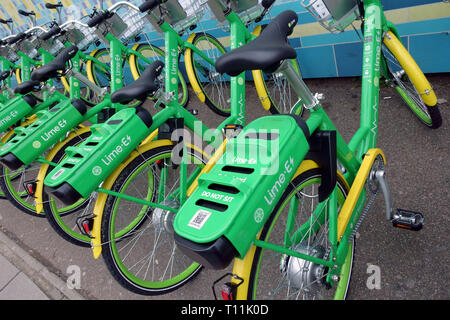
(57, 174)
(199, 219)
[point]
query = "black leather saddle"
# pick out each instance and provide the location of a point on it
(265, 52)
(51, 69)
(144, 86)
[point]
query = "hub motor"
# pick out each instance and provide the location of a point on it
(303, 274)
(163, 219)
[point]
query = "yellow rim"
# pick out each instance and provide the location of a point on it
(65, 84)
(411, 68)
(18, 76)
(133, 64)
(89, 67)
(190, 71)
(259, 80)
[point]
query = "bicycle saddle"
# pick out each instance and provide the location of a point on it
(51, 69)
(265, 52)
(26, 87)
(145, 85)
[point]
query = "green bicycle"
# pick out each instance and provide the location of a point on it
(300, 207)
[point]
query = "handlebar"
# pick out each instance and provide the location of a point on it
(101, 16)
(149, 5)
(52, 32)
(18, 37)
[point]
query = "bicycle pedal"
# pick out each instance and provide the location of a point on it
(406, 219)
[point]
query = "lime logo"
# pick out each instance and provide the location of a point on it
(36, 144)
(97, 170)
(375, 81)
(174, 80)
(118, 80)
(241, 81)
(259, 215)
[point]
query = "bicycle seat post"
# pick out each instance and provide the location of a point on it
(297, 83)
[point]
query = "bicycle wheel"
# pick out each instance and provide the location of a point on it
(61, 217)
(211, 87)
(101, 75)
(274, 91)
(138, 244)
(278, 276)
(153, 53)
(88, 96)
(13, 182)
(410, 82)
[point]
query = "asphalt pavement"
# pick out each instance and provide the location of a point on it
(37, 264)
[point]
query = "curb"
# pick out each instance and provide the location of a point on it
(50, 284)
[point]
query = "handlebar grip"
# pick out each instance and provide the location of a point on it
(49, 34)
(98, 18)
(149, 5)
(17, 38)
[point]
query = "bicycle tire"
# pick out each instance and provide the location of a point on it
(101, 76)
(12, 189)
(409, 81)
(144, 230)
(286, 265)
(62, 218)
(275, 93)
(138, 66)
(211, 88)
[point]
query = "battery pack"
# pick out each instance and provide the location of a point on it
(32, 141)
(223, 216)
(15, 110)
(92, 161)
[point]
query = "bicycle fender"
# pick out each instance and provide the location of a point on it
(357, 186)
(44, 167)
(411, 68)
(190, 71)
